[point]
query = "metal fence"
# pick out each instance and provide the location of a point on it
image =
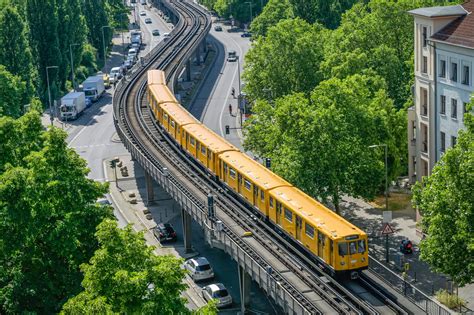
(423, 301)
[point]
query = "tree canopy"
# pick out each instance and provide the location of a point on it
(48, 217)
(273, 12)
(12, 92)
(446, 202)
(125, 276)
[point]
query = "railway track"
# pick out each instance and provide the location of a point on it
(136, 126)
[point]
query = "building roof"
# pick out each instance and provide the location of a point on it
(460, 32)
(433, 12)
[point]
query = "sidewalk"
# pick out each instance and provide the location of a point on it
(403, 222)
(129, 198)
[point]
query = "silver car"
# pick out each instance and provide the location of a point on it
(217, 291)
(199, 268)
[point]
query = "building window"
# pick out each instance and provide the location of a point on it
(288, 215)
(309, 230)
(424, 138)
(453, 141)
(424, 102)
(443, 141)
(232, 172)
(247, 185)
(271, 202)
(443, 105)
(454, 72)
(454, 108)
(425, 36)
(424, 69)
(442, 68)
(465, 75)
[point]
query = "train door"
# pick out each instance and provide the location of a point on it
(187, 140)
(299, 225)
(239, 183)
(331, 252)
(321, 243)
(224, 174)
(255, 195)
(209, 160)
(343, 253)
(278, 213)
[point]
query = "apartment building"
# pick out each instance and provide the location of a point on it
(444, 64)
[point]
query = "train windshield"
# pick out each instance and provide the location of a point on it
(351, 248)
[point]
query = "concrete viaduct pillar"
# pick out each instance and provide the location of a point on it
(186, 217)
(188, 70)
(244, 284)
(150, 194)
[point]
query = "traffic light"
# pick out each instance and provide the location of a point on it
(268, 162)
(227, 129)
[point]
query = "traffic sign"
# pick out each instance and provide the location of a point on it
(387, 229)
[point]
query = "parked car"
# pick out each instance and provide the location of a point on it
(166, 35)
(142, 13)
(155, 32)
(164, 232)
(104, 202)
(199, 268)
(128, 64)
(132, 58)
(148, 21)
(246, 34)
(132, 52)
(217, 292)
(218, 28)
(115, 74)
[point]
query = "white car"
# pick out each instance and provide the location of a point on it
(217, 292)
(199, 268)
(115, 74)
(142, 13)
(166, 35)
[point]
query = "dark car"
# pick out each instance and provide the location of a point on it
(156, 33)
(164, 232)
(218, 28)
(246, 34)
(148, 21)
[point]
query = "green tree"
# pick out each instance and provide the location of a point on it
(43, 25)
(95, 12)
(12, 92)
(326, 12)
(446, 202)
(321, 144)
(285, 61)
(125, 276)
(48, 219)
(15, 52)
(274, 11)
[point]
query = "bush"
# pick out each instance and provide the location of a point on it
(450, 300)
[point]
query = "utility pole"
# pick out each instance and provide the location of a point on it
(103, 44)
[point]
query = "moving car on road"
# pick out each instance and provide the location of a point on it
(155, 32)
(218, 28)
(232, 56)
(142, 13)
(148, 21)
(217, 292)
(164, 232)
(246, 34)
(199, 268)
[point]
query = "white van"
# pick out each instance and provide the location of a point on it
(143, 2)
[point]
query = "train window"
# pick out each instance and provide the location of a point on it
(271, 202)
(352, 248)
(172, 123)
(262, 195)
(192, 141)
(225, 168)
(309, 230)
(288, 215)
(232, 172)
(361, 246)
(203, 150)
(342, 249)
(321, 239)
(165, 116)
(247, 184)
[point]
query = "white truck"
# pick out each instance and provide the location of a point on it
(94, 87)
(72, 105)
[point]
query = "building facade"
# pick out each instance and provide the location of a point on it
(444, 63)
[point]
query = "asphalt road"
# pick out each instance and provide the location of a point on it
(212, 102)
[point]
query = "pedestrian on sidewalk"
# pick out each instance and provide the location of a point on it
(233, 92)
(230, 109)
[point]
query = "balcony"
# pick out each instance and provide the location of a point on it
(424, 147)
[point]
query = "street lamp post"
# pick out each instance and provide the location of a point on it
(240, 92)
(386, 192)
(51, 117)
(72, 67)
(103, 45)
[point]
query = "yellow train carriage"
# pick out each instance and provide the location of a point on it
(337, 242)
(249, 178)
(156, 77)
(205, 146)
(173, 118)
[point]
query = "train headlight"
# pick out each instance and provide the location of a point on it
(342, 263)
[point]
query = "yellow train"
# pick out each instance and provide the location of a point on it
(337, 245)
